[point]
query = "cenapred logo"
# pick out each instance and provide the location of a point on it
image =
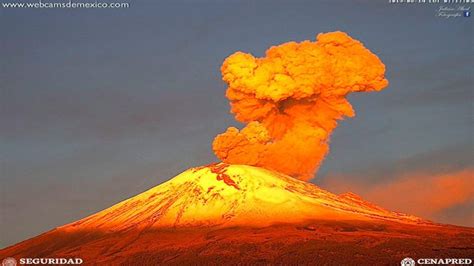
(436, 261)
(407, 262)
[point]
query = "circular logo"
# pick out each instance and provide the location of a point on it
(9, 261)
(407, 262)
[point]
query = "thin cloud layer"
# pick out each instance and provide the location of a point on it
(428, 195)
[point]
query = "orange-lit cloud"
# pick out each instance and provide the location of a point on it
(291, 100)
(422, 194)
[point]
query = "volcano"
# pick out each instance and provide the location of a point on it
(236, 214)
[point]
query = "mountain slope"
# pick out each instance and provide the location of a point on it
(241, 214)
(229, 195)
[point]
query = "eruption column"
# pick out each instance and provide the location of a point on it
(291, 100)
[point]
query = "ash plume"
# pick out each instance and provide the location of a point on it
(291, 100)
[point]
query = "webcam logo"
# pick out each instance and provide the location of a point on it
(407, 262)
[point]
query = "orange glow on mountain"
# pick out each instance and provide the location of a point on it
(291, 100)
(239, 214)
(229, 195)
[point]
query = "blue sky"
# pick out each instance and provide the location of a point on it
(99, 105)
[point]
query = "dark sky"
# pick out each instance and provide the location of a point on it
(100, 105)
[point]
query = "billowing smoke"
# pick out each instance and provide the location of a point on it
(291, 100)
